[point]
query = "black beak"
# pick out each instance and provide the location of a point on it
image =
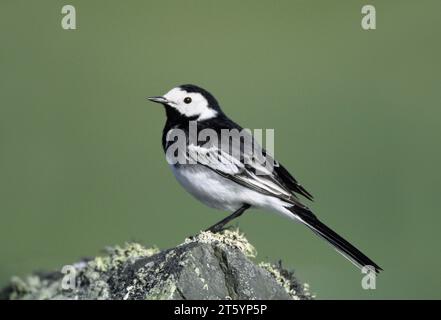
(158, 99)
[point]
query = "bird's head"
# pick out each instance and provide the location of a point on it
(189, 101)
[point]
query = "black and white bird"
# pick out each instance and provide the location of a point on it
(231, 181)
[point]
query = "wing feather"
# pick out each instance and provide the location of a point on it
(249, 173)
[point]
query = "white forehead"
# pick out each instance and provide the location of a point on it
(178, 95)
(175, 92)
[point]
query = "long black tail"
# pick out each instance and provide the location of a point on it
(341, 245)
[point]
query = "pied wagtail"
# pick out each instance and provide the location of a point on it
(229, 183)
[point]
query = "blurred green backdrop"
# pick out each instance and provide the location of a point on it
(356, 115)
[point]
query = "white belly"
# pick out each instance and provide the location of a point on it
(218, 192)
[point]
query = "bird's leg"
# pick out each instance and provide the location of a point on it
(219, 226)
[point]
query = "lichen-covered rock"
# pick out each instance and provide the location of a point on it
(207, 266)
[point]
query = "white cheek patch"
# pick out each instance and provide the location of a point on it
(197, 108)
(207, 114)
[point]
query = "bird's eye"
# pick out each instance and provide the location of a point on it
(187, 100)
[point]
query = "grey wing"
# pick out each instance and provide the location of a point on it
(244, 167)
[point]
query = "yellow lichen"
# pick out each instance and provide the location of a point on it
(231, 238)
(275, 271)
(118, 255)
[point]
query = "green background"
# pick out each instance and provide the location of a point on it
(356, 116)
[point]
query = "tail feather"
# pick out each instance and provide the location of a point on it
(341, 245)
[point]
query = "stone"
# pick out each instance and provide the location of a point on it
(206, 266)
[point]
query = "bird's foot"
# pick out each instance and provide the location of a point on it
(219, 228)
